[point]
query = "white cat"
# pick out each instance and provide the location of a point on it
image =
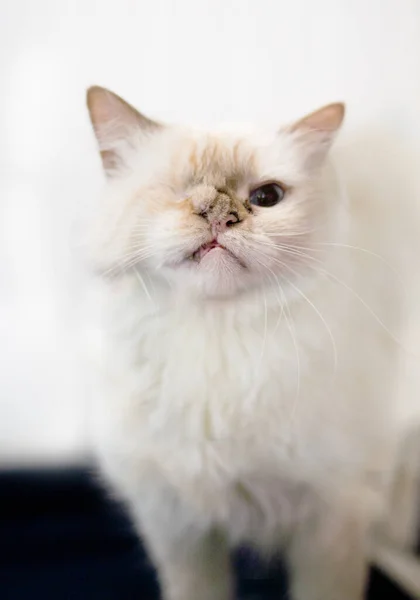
(248, 349)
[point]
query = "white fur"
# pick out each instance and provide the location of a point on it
(267, 414)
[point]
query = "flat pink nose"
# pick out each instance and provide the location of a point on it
(220, 225)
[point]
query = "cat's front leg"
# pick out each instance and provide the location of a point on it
(192, 559)
(328, 557)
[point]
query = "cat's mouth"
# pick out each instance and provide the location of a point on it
(209, 247)
(205, 249)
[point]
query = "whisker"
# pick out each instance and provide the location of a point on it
(292, 329)
(312, 305)
(264, 341)
(368, 308)
(288, 234)
(355, 294)
(369, 253)
(127, 263)
(366, 251)
(290, 326)
(143, 285)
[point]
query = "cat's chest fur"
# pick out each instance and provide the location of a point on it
(235, 412)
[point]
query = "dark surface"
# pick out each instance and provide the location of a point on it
(62, 539)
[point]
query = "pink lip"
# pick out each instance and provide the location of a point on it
(213, 245)
(206, 248)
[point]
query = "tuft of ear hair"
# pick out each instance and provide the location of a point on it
(114, 121)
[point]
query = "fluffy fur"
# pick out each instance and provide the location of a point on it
(248, 395)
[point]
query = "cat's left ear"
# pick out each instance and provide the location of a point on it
(316, 132)
(116, 124)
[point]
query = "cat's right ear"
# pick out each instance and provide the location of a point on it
(115, 123)
(317, 131)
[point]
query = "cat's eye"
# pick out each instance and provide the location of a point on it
(269, 194)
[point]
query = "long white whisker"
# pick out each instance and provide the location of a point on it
(327, 274)
(317, 311)
(292, 329)
(290, 326)
(290, 247)
(264, 341)
(312, 305)
(125, 264)
(143, 285)
(367, 307)
(288, 234)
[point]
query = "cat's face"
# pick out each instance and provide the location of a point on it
(217, 213)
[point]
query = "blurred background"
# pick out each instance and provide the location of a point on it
(185, 60)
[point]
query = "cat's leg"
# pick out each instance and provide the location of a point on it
(328, 556)
(191, 558)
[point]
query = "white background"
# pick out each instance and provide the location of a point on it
(184, 60)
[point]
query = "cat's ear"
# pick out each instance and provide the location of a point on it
(115, 123)
(316, 132)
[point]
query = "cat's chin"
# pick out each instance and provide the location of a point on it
(216, 274)
(219, 273)
(222, 258)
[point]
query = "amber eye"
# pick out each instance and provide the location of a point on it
(267, 195)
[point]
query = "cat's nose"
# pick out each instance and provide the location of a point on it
(220, 209)
(220, 225)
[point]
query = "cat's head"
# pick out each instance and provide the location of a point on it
(212, 213)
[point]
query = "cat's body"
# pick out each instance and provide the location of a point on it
(221, 401)
(253, 415)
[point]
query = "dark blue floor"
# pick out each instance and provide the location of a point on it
(61, 539)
